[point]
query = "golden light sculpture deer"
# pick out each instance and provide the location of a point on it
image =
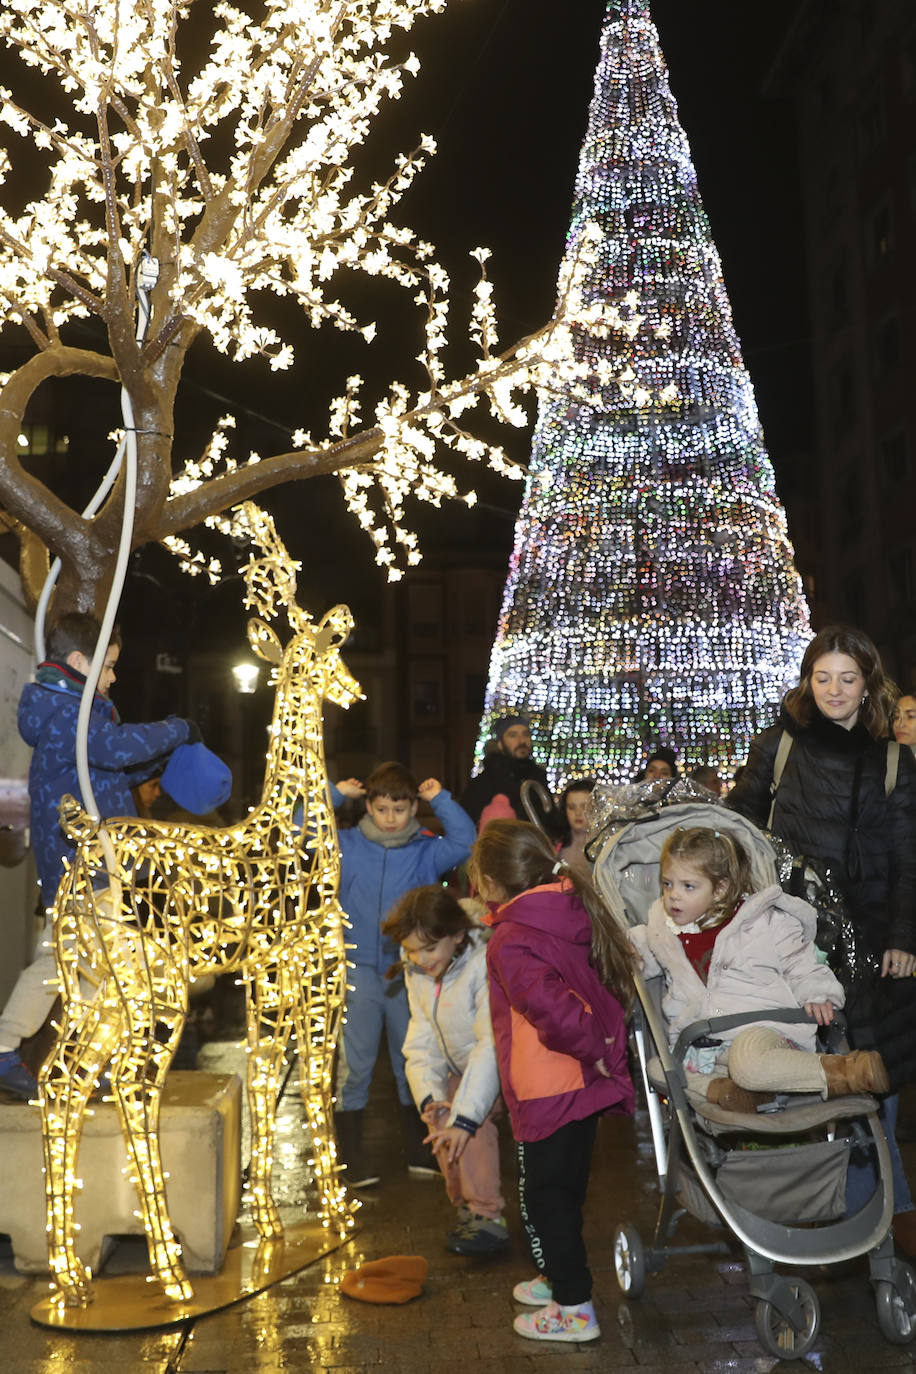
(178, 902)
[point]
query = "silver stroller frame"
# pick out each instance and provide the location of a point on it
(686, 1134)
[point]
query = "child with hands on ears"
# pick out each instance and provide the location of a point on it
(723, 949)
(381, 858)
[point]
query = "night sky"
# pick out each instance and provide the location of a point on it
(504, 88)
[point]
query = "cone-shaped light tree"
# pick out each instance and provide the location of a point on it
(652, 595)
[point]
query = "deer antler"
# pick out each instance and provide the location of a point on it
(271, 578)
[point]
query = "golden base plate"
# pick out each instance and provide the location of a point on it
(133, 1302)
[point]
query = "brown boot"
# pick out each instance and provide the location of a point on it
(862, 1071)
(725, 1093)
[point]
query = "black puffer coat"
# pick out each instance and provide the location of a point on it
(874, 849)
(830, 804)
(501, 773)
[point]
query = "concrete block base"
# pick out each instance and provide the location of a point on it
(200, 1140)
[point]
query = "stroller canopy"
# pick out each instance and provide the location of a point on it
(626, 870)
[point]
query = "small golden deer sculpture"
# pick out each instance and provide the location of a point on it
(178, 902)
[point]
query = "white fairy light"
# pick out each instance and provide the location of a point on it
(270, 207)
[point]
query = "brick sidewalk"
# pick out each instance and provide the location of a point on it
(695, 1317)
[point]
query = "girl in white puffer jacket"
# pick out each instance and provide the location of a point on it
(450, 1056)
(723, 949)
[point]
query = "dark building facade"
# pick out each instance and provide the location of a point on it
(850, 67)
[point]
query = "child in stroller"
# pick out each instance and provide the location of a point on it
(723, 949)
(775, 1176)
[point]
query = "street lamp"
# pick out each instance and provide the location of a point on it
(246, 677)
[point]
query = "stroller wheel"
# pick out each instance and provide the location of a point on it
(629, 1261)
(789, 1340)
(896, 1304)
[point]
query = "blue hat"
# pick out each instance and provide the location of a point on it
(196, 778)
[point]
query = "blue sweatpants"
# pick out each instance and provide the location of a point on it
(371, 1004)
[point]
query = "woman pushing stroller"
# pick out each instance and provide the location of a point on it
(722, 949)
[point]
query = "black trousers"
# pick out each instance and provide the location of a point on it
(552, 1183)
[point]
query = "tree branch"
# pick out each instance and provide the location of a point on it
(219, 493)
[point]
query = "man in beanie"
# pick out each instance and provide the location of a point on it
(504, 769)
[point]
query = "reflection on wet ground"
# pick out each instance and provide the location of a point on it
(695, 1316)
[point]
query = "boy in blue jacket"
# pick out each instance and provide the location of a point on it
(119, 756)
(383, 857)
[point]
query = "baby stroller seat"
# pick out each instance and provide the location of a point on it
(776, 1178)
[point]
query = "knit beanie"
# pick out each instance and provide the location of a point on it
(505, 723)
(196, 778)
(397, 1278)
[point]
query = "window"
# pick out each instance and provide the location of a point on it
(871, 126)
(475, 686)
(852, 502)
(837, 296)
(895, 457)
(842, 400)
(38, 440)
(879, 238)
(886, 346)
(900, 576)
(854, 597)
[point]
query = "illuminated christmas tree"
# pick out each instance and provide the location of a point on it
(652, 594)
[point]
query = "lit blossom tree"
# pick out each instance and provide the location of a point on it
(217, 149)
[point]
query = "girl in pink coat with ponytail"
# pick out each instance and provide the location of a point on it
(561, 986)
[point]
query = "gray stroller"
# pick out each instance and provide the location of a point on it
(776, 1178)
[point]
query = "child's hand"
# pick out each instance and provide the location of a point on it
(351, 787)
(429, 789)
(452, 1141)
(432, 1112)
(821, 1011)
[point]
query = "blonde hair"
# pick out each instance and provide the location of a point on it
(720, 858)
(518, 856)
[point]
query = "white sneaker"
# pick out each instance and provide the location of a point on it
(533, 1292)
(555, 1323)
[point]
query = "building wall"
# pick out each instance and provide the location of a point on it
(852, 70)
(18, 884)
(447, 613)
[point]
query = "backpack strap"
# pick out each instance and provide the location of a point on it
(893, 763)
(779, 763)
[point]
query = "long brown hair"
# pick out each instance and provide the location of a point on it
(880, 692)
(721, 860)
(518, 856)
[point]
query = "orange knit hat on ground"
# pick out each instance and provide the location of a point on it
(396, 1278)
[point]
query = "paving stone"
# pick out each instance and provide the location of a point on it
(695, 1316)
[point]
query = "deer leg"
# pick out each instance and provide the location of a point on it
(138, 1078)
(65, 1083)
(319, 1012)
(269, 1023)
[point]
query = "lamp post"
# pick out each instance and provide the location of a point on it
(245, 676)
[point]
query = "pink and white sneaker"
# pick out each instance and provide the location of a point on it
(555, 1323)
(533, 1292)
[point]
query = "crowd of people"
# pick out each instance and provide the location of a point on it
(512, 1000)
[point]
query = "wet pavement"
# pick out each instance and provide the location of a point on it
(695, 1317)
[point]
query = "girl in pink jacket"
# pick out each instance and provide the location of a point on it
(723, 949)
(561, 984)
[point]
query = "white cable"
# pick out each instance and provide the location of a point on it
(146, 279)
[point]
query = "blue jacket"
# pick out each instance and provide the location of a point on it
(373, 878)
(48, 712)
